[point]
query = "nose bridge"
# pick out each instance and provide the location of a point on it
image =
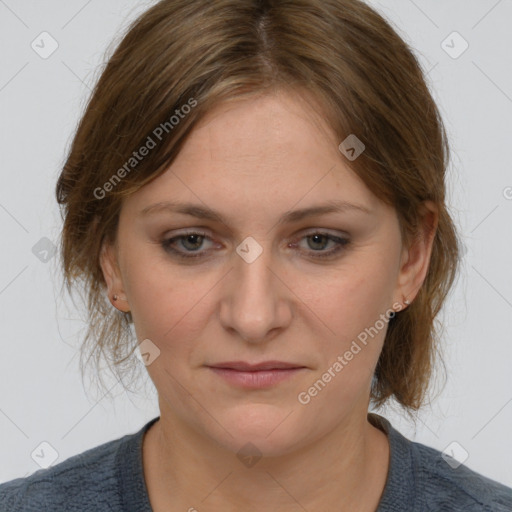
(254, 278)
(252, 306)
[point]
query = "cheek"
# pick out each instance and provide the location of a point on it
(343, 378)
(357, 298)
(356, 307)
(169, 305)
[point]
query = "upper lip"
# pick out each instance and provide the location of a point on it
(243, 366)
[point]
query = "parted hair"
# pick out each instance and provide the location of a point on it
(201, 53)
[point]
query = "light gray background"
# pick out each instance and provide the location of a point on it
(42, 396)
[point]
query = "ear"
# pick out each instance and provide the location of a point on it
(416, 255)
(112, 275)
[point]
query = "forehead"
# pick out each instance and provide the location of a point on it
(283, 125)
(260, 152)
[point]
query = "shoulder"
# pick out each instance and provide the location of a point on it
(421, 478)
(86, 481)
(456, 487)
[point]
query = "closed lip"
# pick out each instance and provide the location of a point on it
(243, 366)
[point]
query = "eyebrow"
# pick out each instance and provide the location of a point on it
(203, 212)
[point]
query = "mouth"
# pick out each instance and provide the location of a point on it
(256, 375)
(243, 366)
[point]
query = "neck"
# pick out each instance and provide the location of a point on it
(190, 471)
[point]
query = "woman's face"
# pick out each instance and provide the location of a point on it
(263, 284)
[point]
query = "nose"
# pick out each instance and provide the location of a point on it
(256, 301)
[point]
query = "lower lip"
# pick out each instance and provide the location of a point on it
(256, 379)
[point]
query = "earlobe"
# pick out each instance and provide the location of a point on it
(416, 258)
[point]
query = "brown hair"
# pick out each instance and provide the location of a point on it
(200, 53)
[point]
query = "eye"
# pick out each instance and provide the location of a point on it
(317, 241)
(191, 242)
(188, 245)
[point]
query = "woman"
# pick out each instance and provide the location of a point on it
(257, 189)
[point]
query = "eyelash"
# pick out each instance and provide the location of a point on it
(167, 245)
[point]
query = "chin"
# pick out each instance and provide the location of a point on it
(262, 428)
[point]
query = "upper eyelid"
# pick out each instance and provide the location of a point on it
(302, 233)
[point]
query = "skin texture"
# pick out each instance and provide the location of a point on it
(252, 160)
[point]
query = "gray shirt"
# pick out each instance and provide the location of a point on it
(110, 478)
